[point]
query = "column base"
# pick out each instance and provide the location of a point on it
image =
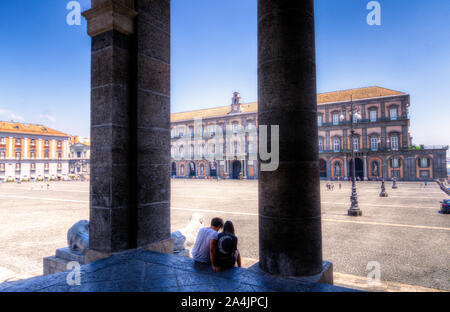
(354, 212)
(164, 246)
(324, 277)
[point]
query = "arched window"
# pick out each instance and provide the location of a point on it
(337, 169)
(182, 170)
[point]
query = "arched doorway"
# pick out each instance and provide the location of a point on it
(174, 169)
(359, 168)
(236, 169)
(213, 169)
(192, 172)
(323, 168)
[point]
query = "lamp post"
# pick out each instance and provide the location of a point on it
(354, 210)
(383, 188)
(394, 180)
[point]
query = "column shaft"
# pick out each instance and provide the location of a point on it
(290, 239)
(153, 120)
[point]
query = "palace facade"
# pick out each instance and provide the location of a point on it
(32, 152)
(80, 157)
(382, 140)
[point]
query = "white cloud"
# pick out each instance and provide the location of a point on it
(10, 116)
(48, 117)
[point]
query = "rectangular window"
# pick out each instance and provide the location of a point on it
(2, 140)
(373, 116)
(2, 155)
(2, 167)
(395, 163)
(33, 155)
(46, 143)
(33, 142)
(18, 155)
(335, 119)
(394, 143)
(18, 142)
(393, 113)
(46, 154)
(46, 166)
(336, 145)
(424, 162)
(374, 144)
(59, 143)
(320, 145)
(356, 144)
(319, 120)
(33, 167)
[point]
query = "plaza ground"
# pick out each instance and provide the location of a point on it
(404, 233)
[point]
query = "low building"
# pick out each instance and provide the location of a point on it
(80, 154)
(382, 141)
(31, 152)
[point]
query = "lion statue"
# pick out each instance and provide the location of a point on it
(78, 236)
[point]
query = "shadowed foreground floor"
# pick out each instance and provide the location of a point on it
(145, 271)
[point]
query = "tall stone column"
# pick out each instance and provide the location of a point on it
(110, 24)
(153, 121)
(130, 131)
(290, 239)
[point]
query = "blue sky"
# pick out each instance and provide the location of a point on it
(45, 63)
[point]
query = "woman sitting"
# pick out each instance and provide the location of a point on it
(227, 254)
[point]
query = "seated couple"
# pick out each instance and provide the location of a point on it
(218, 249)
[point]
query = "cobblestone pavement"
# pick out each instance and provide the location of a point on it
(404, 233)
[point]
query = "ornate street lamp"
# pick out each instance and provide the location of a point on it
(354, 209)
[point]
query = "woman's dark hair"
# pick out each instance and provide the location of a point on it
(228, 227)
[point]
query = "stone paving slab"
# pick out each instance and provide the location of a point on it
(145, 271)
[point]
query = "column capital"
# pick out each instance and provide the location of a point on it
(106, 15)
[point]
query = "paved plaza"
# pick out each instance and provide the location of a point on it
(404, 233)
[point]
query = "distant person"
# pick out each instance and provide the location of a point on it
(205, 245)
(340, 186)
(227, 254)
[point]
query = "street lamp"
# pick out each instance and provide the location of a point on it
(354, 115)
(394, 180)
(383, 188)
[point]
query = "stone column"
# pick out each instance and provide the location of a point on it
(130, 131)
(290, 239)
(110, 24)
(153, 122)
